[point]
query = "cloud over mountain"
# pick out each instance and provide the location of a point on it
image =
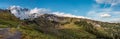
(19, 12)
(39, 10)
(24, 13)
(105, 15)
(68, 15)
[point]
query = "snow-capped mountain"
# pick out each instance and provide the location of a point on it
(24, 13)
(19, 12)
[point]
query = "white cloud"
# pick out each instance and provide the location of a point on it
(68, 15)
(105, 15)
(112, 2)
(39, 11)
(109, 16)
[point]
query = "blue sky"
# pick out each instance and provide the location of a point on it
(95, 9)
(76, 7)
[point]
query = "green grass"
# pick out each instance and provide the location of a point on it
(8, 23)
(31, 33)
(78, 34)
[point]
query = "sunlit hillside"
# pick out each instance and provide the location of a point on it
(50, 26)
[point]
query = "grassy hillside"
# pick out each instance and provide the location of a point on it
(8, 20)
(53, 27)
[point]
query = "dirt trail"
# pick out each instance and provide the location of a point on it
(6, 34)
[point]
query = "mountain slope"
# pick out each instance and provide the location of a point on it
(75, 28)
(8, 19)
(50, 26)
(10, 25)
